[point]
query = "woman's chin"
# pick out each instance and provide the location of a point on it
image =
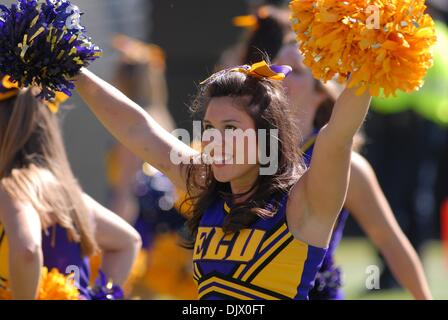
(222, 172)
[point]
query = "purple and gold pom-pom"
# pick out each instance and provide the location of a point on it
(103, 290)
(43, 44)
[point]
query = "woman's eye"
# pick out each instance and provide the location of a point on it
(208, 127)
(230, 127)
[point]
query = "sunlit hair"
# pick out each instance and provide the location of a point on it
(34, 168)
(265, 102)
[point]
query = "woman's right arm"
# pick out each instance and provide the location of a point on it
(369, 206)
(118, 241)
(133, 127)
(23, 229)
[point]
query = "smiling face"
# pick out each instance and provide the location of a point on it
(234, 101)
(226, 115)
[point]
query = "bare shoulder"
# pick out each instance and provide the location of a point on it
(14, 213)
(7, 205)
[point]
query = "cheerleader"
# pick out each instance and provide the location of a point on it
(45, 218)
(312, 104)
(264, 236)
(259, 237)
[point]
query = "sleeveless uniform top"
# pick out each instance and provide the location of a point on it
(58, 252)
(329, 278)
(264, 261)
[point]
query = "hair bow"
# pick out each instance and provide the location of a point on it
(10, 89)
(259, 70)
(58, 99)
(262, 70)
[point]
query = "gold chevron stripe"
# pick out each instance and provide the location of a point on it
(273, 237)
(265, 256)
(234, 286)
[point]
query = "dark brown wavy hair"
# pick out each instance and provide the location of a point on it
(266, 103)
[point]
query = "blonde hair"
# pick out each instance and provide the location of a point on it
(34, 168)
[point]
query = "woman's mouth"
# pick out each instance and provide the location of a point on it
(223, 160)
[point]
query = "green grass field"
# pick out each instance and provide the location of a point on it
(355, 254)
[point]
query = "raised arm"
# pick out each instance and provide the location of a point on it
(133, 127)
(329, 171)
(320, 193)
(368, 205)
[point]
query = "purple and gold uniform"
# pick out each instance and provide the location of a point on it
(263, 261)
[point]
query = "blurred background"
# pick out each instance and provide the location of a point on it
(406, 144)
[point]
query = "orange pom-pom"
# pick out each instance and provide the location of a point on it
(56, 286)
(380, 45)
(53, 286)
(5, 294)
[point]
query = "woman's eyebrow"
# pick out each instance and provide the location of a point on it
(205, 121)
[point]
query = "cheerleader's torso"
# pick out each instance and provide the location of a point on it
(264, 261)
(329, 278)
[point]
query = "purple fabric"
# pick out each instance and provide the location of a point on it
(64, 255)
(59, 252)
(336, 238)
(328, 281)
(281, 69)
(153, 219)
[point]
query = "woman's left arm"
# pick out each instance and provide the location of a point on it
(23, 228)
(328, 175)
(368, 205)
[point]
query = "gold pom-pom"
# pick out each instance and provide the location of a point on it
(5, 294)
(53, 286)
(137, 272)
(380, 45)
(56, 286)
